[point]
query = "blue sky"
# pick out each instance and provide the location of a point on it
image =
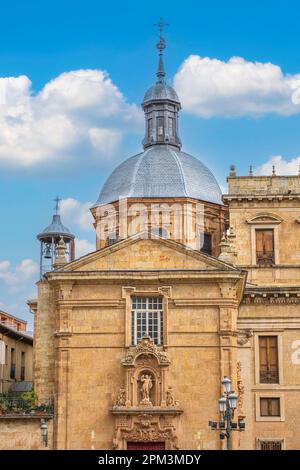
(58, 147)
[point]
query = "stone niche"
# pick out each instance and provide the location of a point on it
(145, 409)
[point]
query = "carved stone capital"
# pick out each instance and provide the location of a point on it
(244, 337)
(65, 291)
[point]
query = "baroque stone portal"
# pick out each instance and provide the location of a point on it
(145, 409)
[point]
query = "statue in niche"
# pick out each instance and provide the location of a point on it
(169, 397)
(146, 388)
(121, 398)
(170, 400)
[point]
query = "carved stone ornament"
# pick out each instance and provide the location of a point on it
(241, 391)
(170, 400)
(146, 428)
(244, 337)
(145, 346)
(121, 398)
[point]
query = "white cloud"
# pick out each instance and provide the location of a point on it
(18, 275)
(210, 87)
(80, 114)
(105, 140)
(4, 265)
(8, 277)
(282, 166)
(83, 247)
(76, 212)
(27, 268)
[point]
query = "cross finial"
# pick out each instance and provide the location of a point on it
(57, 201)
(161, 46)
(160, 25)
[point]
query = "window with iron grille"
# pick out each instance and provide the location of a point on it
(270, 445)
(268, 359)
(269, 407)
(147, 319)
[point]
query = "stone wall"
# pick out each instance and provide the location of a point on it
(23, 433)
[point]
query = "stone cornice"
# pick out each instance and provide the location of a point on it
(272, 295)
(151, 275)
(217, 302)
(87, 303)
(260, 197)
(268, 323)
(137, 410)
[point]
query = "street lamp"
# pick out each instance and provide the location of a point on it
(222, 404)
(227, 406)
(44, 431)
(226, 382)
(233, 400)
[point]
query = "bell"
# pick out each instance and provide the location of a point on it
(48, 254)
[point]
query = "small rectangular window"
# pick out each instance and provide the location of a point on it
(111, 240)
(149, 128)
(270, 407)
(206, 244)
(268, 359)
(265, 247)
(12, 364)
(171, 121)
(22, 374)
(160, 129)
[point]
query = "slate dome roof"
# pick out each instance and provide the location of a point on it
(161, 171)
(55, 229)
(159, 92)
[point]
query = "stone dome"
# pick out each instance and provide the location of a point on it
(161, 171)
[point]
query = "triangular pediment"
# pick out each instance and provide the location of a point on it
(138, 253)
(265, 218)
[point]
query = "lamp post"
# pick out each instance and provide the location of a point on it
(44, 431)
(227, 406)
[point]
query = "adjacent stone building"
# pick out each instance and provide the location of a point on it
(186, 286)
(16, 352)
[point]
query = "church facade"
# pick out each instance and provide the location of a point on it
(186, 287)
